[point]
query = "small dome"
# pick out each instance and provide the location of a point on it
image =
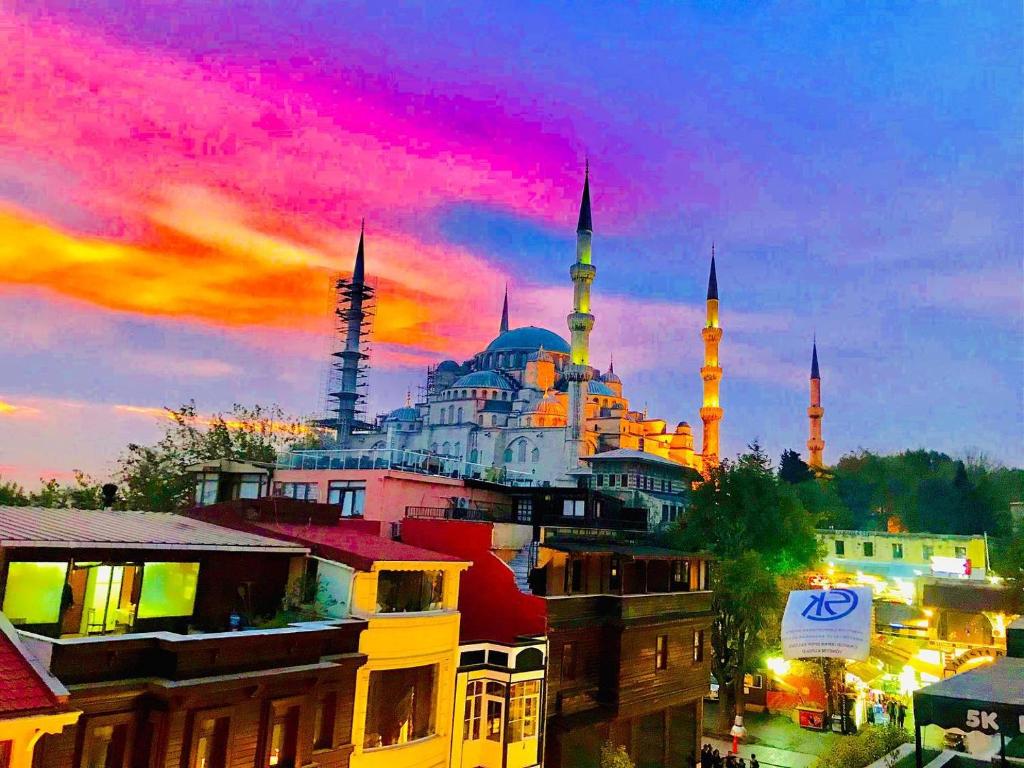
(611, 378)
(530, 338)
(449, 366)
(549, 406)
(682, 426)
(406, 413)
(485, 379)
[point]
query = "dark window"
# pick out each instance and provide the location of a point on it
(524, 510)
(409, 591)
(106, 744)
(661, 652)
(625, 478)
(897, 551)
(577, 576)
(323, 722)
(400, 706)
(615, 577)
(211, 732)
(664, 513)
(681, 575)
(840, 547)
(470, 658)
(348, 495)
(611, 481)
(284, 734)
(569, 661)
(869, 549)
(600, 481)
(698, 646)
(497, 658)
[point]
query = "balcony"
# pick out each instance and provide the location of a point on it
(177, 657)
(478, 512)
(605, 608)
(405, 461)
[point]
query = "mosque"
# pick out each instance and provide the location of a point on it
(530, 402)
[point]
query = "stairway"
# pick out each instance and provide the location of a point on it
(522, 564)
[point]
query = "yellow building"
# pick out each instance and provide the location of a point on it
(409, 596)
(32, 701)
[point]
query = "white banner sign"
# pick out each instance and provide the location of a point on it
(835, 623)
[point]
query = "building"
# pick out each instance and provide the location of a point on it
(408, 599)
(177, 642)
(528, 407)
(32, 701)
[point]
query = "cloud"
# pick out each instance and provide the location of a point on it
(992, 292)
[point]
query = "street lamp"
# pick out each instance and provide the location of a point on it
(737, 732)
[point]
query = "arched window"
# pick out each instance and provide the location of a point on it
(504, 395)
(446, 448)
(522, 451)
(451, 413)
(457, 449)
(535, 455)
(474, 394)
(443, 412)
(501, 359)
(508, 454)
(460, 415)
(474, 456)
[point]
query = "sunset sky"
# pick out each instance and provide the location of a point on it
(178, 181)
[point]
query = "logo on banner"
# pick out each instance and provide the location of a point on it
(830, 605)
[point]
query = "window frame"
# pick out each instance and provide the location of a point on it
(126, 719)
(569, 670)
(521, 725)
(897, 550)
(333, 692)
(279, 709)
(840, 547)
(698, 646)
(868, 549)
(343, 489)
(661, 653)
(195, 719)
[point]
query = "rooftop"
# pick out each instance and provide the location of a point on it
(110, 529)
(25, 688)
(529, 338)
(904, 535)
(632, 551)
(630, 454)
(354, 548)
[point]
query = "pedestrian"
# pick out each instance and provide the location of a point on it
(901, 714)
(691, 761)
(892, 711)
(753, 762)
(716, 759)
(705, 756)
(742, 763)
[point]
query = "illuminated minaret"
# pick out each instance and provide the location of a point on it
(815, 445)
(711, 372)
(504, 313)
(578, 372)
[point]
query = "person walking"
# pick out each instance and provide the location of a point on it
(753, 762)
(901, 714)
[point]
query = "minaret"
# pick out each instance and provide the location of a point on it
(504, 313)
(353, 295)
(815, 445)
(581, 322)
(711, 372)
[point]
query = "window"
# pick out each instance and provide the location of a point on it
(928, 551)
(522, 451)
(409, 591)
(524, 510)
(495, 701)
(753, 681)
(5, 754)
(210, 737)
(523, 710)
(681, 574)
(349, 495)
(615, 576)
(206, 488)
(600, 481)
(284, 736)
(611, 481)
(897, 551)
(443, 414)
(573, 507)
(446, 448)
(840, 547)
(960, 551)
(323, 721)
(664, 513)
(698, 646)
(34, 592)
(625, 478)
(250, 485)
(458, 414)
(107, 742)
(535, 455)
(869, 549)
(300, 491)
(168, 589)
(576, 572)
(508, 451)
(474, 710)
(400, 706)
(569, 661)
(661, 652)
(451, 414)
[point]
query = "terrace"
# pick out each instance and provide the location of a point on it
(416, 462)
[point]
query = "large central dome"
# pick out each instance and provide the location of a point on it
(529, 338)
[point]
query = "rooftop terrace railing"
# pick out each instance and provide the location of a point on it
(416, 462)
(494, 513)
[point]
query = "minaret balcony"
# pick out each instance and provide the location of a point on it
(580, 272)
(711, 413)
(580, 321)
(815, 411)
(711, 373)
(711, 334)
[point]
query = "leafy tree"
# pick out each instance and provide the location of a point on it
(872, 743)
(761, 533)
(83, 493)
(615, 756)
(156, 477)
(793, 469)
(12, 494)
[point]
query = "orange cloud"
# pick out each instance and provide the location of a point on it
(10, 410)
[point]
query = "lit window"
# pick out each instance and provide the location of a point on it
(400, 706)
(284, 735)
(106, 742)
(409, 591)
(524, 510)
(897, 551)
(495, 701)
(474, 710)
(210, 740)
(573, 507)
(34, 592)
(323, 721)
(661, 652)
(524, 708)
(698, 646)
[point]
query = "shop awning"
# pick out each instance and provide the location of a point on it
(988, 699)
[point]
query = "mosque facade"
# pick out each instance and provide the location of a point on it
(531, 403)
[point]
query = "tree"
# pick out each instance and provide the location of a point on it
(83, 493)
(793, 469)
(760, 533)
(613, 756)
(12, 494)
(156, 477)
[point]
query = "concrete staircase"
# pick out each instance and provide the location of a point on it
(522, 564)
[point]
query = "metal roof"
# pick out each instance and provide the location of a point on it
(634, 551)
(995, 690)
(529, 338)
(114, 529)
(629, 454)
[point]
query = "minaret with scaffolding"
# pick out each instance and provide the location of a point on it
(346, 383)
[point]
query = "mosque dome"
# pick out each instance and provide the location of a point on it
(406, 413)
(611, 378)
(549, 406)
(682, 427)
(449, 366)
(529, 338)
(484, 379)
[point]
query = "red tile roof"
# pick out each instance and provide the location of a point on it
(355, 548)
(23, 689)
